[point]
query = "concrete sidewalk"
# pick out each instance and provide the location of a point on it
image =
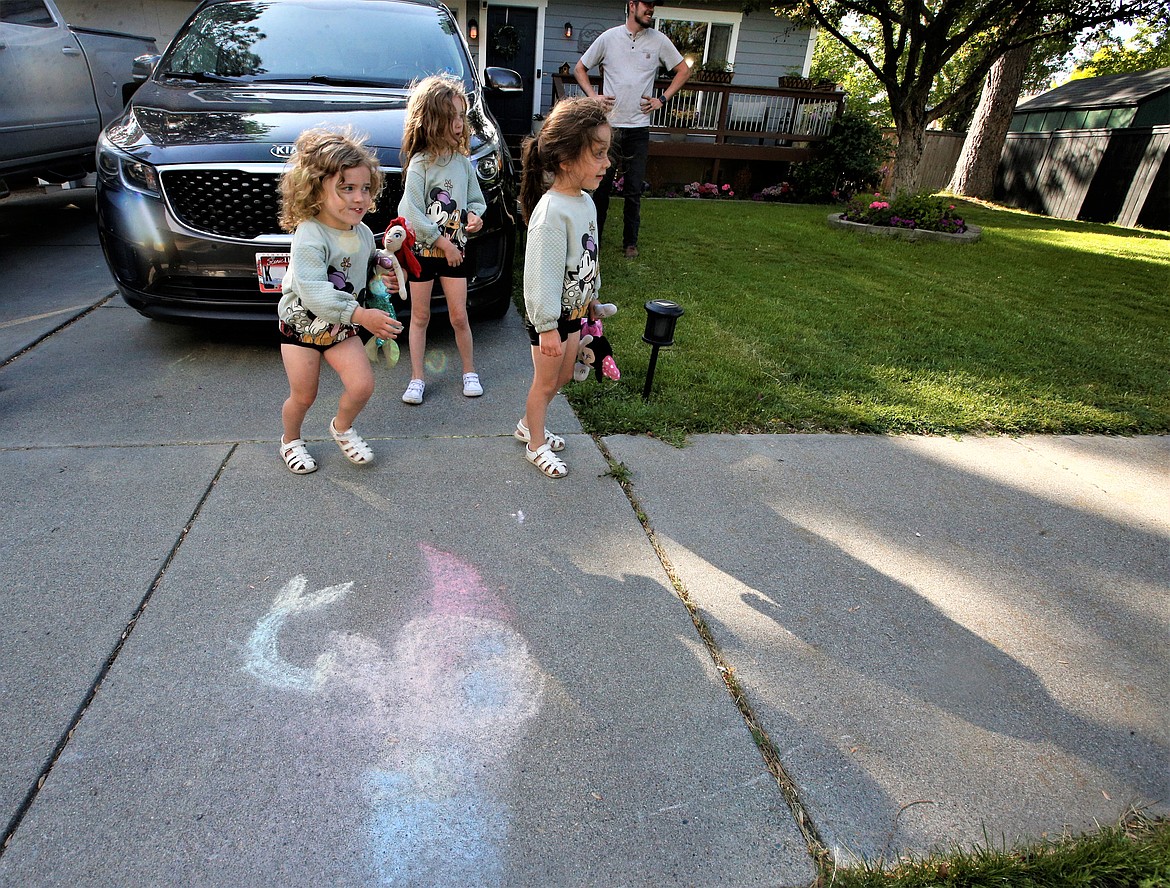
(940, 636)
(445, 669)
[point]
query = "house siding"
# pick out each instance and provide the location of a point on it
(769, 47)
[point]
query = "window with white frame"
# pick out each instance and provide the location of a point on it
(701, 35)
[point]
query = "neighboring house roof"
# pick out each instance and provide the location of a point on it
(1109, 91)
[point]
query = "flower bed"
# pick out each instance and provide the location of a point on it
(970, 233)
(708, 190)
(912, 212)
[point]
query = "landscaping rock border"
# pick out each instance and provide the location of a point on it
(972, 234)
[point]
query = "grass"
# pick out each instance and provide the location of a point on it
(1042, 326)
(1133, 854)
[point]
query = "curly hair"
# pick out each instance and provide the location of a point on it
(320, 153)
(569, 131)
(428, 118)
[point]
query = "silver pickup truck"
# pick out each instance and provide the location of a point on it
(59, 86)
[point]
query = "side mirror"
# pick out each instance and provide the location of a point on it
(503, 80)
(142, 67)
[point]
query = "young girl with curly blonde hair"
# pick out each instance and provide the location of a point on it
(442, 202)
(329, 187)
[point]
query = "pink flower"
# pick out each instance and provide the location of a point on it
(730, 193)
(726, 187)
(879, 205)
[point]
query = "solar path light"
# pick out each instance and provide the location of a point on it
(661, 316)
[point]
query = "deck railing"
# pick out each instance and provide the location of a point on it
(729, 122)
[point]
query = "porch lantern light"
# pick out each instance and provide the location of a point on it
(568, 29)
(472, 29)
(661, 316)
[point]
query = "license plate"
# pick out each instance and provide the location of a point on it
(270, 269)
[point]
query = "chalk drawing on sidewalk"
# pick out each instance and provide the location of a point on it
(264, 659)
(446, 704)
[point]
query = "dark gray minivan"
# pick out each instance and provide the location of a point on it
(187, 190)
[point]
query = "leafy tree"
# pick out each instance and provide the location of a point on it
(1147, 49)
(864, 94)
(918, 38)
(975, 170)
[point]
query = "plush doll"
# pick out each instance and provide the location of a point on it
(396, 244)
(398, 239)
(594, 353)
(585, 357)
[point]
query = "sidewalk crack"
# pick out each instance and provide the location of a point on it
(767, 747)
(31, 796)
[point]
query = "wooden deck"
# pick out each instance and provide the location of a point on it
(721, 122)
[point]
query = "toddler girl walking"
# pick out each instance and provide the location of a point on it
(330, 186)
(561, 276)
(443, 203)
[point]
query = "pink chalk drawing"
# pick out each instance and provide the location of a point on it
(448, 704)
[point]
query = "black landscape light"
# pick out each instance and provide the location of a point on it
(661, 316)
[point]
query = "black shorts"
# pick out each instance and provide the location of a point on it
(437, 267)
(565, 327)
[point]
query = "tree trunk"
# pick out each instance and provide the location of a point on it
(975, 170)
(911, 126)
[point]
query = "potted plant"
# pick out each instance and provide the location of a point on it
(714, 71)
(794, 80)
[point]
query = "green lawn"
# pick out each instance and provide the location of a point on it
(790, 325)
(1135, 853)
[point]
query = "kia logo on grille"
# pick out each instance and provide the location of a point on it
(284, 151)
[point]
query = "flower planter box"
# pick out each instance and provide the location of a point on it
(790, 82)
(713, 76)
(972, 234)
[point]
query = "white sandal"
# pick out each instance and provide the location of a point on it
(555, 442)
(353, 445)
(547, 461)
(296, 457)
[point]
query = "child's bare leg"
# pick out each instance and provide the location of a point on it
(349, 359)
(549, 374)
(456, 292)
(420, 316)
(303, 366)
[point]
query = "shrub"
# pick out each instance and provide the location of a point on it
(847, 162)
(921, 210)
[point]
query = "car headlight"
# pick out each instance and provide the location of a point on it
(118, 168)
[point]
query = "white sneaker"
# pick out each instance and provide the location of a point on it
(606, 309)
(414, 392)
(471, 386)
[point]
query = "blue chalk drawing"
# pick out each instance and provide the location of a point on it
(448, 703)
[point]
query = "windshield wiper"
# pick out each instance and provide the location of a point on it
(346, 81)
(201, 76)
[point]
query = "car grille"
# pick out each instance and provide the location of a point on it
(244, 204)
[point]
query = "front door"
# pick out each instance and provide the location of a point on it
(511, 43)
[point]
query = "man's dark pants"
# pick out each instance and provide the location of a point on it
(628, 158)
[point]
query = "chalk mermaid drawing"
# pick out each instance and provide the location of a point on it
(450, 700)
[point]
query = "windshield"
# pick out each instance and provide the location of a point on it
(364, 43)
